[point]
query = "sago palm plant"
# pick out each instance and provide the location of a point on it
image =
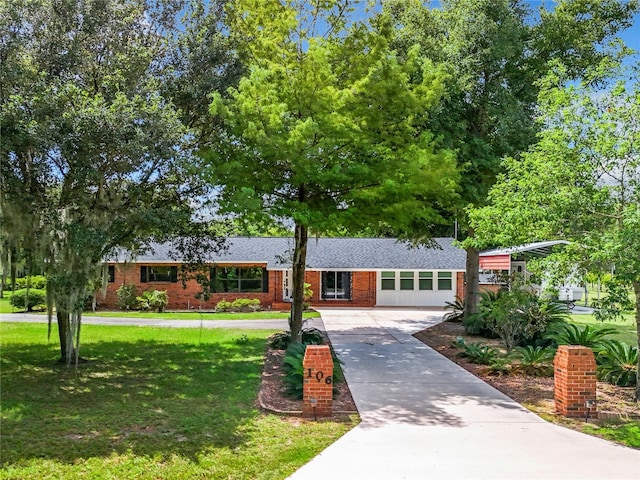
(570, 334)
(535, 361)
(617, 363)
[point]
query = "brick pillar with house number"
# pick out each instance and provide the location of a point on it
(575, 381)
(317, 394)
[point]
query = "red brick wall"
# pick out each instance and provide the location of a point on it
(490, 287)
(363, 292)
(460, 284)
(181, 298)
(313, 278)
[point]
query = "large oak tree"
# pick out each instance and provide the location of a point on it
(580, 181)
(497, 51)
(322, 130)
(92, 152)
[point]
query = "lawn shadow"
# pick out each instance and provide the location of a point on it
(146, 397)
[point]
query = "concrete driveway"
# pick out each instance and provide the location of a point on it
(423, 417)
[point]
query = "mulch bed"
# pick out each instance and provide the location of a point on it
(273, 396)
(535, 393)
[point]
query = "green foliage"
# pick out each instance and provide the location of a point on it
(245, 305)
(509, 318)
(515, 316)
(223, 306)
(536, 361)
(625, 329)
(38, 282)
(476, 324)
(126, 297)
(544, 314)
(308, 294)
(626, 432)
(35, 298)
(478, 353)
(94, 157)
(617, 363)
(280, 340)
(496, 63)
(615, 303)
(499, 366)
(294, 370)
(153, 299)
(202, 60)
(581, 180)
(587, 336)
(310, 336)
(457, 310)
(458, 342)
(328, 129)
(238, 305)
(242, 340)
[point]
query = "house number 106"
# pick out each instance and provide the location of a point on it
(319, 376)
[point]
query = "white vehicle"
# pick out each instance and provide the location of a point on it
(570, 294)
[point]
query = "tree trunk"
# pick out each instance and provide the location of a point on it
(636, 289)
(3, 280)
(67, 349)
(472, 287)
(63, 332)
(299, 266)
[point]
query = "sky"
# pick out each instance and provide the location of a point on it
(632, 35)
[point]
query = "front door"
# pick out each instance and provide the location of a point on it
(287, 286)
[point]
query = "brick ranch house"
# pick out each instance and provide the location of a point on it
(356, 272)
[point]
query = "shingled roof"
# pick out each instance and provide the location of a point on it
(331, 253)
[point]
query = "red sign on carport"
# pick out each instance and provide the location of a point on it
(495, 262)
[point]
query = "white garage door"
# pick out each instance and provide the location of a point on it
(409, 288)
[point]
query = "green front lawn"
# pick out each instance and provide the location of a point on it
(151, 403)
(265, 315)
(5, 307)
(626, 433)
(625, 329)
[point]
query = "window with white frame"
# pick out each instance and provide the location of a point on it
(425, 280)
(406, 280)
(445, 281)
(388, 280)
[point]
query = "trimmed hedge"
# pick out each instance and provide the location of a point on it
(238, 305)
(37, 298)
